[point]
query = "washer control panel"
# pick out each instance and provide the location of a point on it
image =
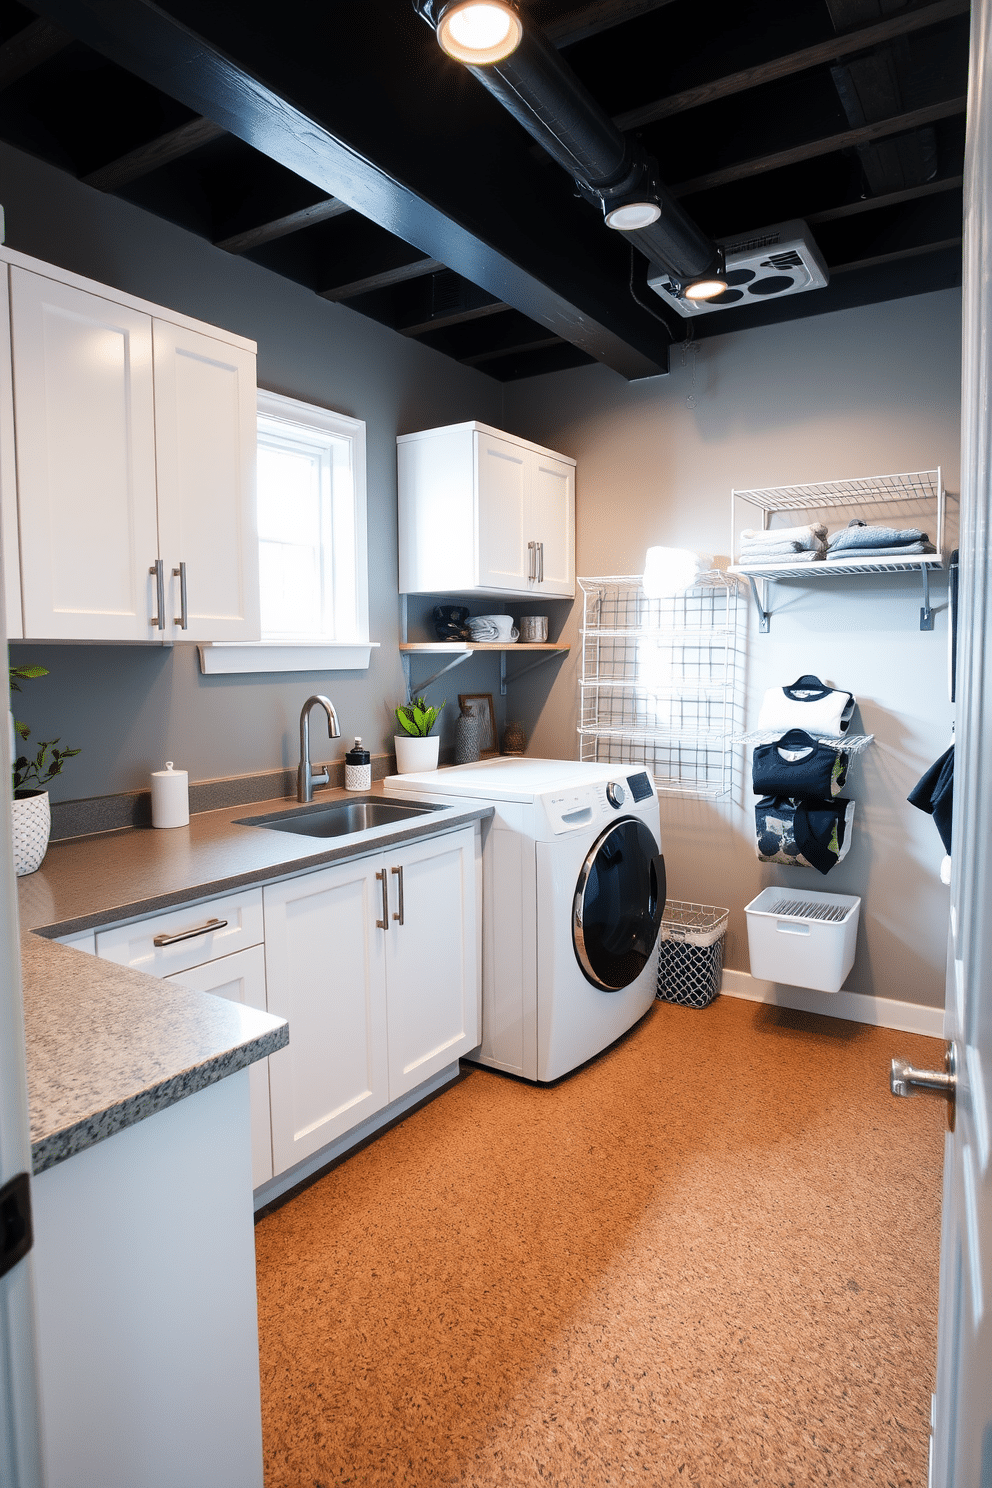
(615, 794)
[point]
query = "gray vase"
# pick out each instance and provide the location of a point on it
(466, 738)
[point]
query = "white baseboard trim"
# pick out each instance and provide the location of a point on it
(881, 1012)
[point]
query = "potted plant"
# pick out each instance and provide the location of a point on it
(32, 817)
(415, 750)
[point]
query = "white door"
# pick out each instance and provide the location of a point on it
(962, 1445)
(552, 523)
(205, 424)
(241, 978)
(432, 976)
(9, 547)
(501, 484)
(85, 422)
(325, 973)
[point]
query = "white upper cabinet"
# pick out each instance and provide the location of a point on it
(483, 510)
(134, 436)
(85, 439)
(205, 425)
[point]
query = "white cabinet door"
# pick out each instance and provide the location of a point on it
(85, 430)
(325, 972)
(9, 551)
(241, 978)
(432, 953)
(205, 425)
(551, 522)
(502, 487)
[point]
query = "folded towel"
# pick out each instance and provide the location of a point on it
(874, 537)
(760, 560)
(804, 536)
(669, 571)
(867, 555)
(770, 547)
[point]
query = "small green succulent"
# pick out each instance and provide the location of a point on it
(417, 718)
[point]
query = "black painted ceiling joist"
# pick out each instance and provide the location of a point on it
(156, 153)
(29, 48)
(558, 267)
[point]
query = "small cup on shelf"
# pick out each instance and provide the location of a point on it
(533, 628)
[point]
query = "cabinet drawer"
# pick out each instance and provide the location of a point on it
(193, 940)
(83, 940)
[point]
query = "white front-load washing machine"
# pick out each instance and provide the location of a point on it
(572, 899)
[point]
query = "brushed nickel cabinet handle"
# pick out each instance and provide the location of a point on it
(540, 560)
(532, 557)
(157, 571)
(398, 917)
(182, 619)
(383, 878)
(204, 929)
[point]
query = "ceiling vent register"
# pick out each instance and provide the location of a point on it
(765, 265)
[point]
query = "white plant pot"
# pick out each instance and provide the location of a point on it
(32, 825)
(414, 755)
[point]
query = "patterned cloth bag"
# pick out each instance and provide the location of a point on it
(803, 833)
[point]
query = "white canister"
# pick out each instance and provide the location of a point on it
(170, 797)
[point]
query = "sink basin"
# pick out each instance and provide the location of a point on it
(338, 818)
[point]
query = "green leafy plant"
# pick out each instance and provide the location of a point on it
(417, 718)
(33, 774)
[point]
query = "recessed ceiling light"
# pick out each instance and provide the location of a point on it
(633, 215)
(705, 289)
(479, 32)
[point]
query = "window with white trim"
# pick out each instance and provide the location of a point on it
(313, 564)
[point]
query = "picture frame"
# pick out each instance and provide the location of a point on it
(480, 705)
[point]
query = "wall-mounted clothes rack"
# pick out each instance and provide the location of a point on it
(916, 498)
(850, 743)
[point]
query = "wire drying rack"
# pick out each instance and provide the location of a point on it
(807, 909)
(662, 680)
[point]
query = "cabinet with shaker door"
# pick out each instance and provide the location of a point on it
(375, 963)
(132, 511)
(486, 512)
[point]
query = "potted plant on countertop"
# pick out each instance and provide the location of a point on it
(32, 818)
(415, 750)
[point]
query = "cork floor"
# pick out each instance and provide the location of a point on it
(709, 1258)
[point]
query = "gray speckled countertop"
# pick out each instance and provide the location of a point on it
(108, 1046)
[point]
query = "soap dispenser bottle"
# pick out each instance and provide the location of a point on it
(358, 768)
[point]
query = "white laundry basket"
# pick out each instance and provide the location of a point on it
(803, 937)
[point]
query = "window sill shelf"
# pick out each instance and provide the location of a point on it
(229, 657)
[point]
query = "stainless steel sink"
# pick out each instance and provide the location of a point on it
(338, 818)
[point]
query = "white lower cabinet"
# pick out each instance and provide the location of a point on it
(375, 965)
(241, 978)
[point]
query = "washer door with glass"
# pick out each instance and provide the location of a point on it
(619, 902)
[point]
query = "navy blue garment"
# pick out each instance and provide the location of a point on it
(935, 794)
(821, 771)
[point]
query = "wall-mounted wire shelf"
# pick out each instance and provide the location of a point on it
(915, 498)
(850, 743)
(661, 683)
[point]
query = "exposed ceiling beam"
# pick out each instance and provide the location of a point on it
(29, 48)
(383, 280)
(891, 199)
(828, 146)
(156, 152)
(589, 20)
(504, 351)
(454, 317)
(815, 56)
(282, 227)
(557, 267)
(895, 257)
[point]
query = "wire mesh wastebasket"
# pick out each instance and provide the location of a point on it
(690, 957)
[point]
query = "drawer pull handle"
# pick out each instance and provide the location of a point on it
(204, 929)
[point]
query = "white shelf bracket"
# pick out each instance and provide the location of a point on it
(926, 613)
(764, 614)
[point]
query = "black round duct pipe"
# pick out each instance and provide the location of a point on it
(548, 100)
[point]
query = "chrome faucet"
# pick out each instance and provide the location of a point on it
(305, 777)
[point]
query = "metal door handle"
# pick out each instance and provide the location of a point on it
(398, 917)
(164, 940)
(905, 1080)
(383, 878)
(157, 570)
(540, 559)
(532, 554)
(182, 619)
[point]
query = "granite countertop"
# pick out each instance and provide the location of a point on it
(107, 1045)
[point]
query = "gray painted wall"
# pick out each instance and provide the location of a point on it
(861, 392)
(132, 707)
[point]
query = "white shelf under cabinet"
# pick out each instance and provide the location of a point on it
(915, 499)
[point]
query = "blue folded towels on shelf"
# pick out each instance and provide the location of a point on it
(810, 544)
(859, 539)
